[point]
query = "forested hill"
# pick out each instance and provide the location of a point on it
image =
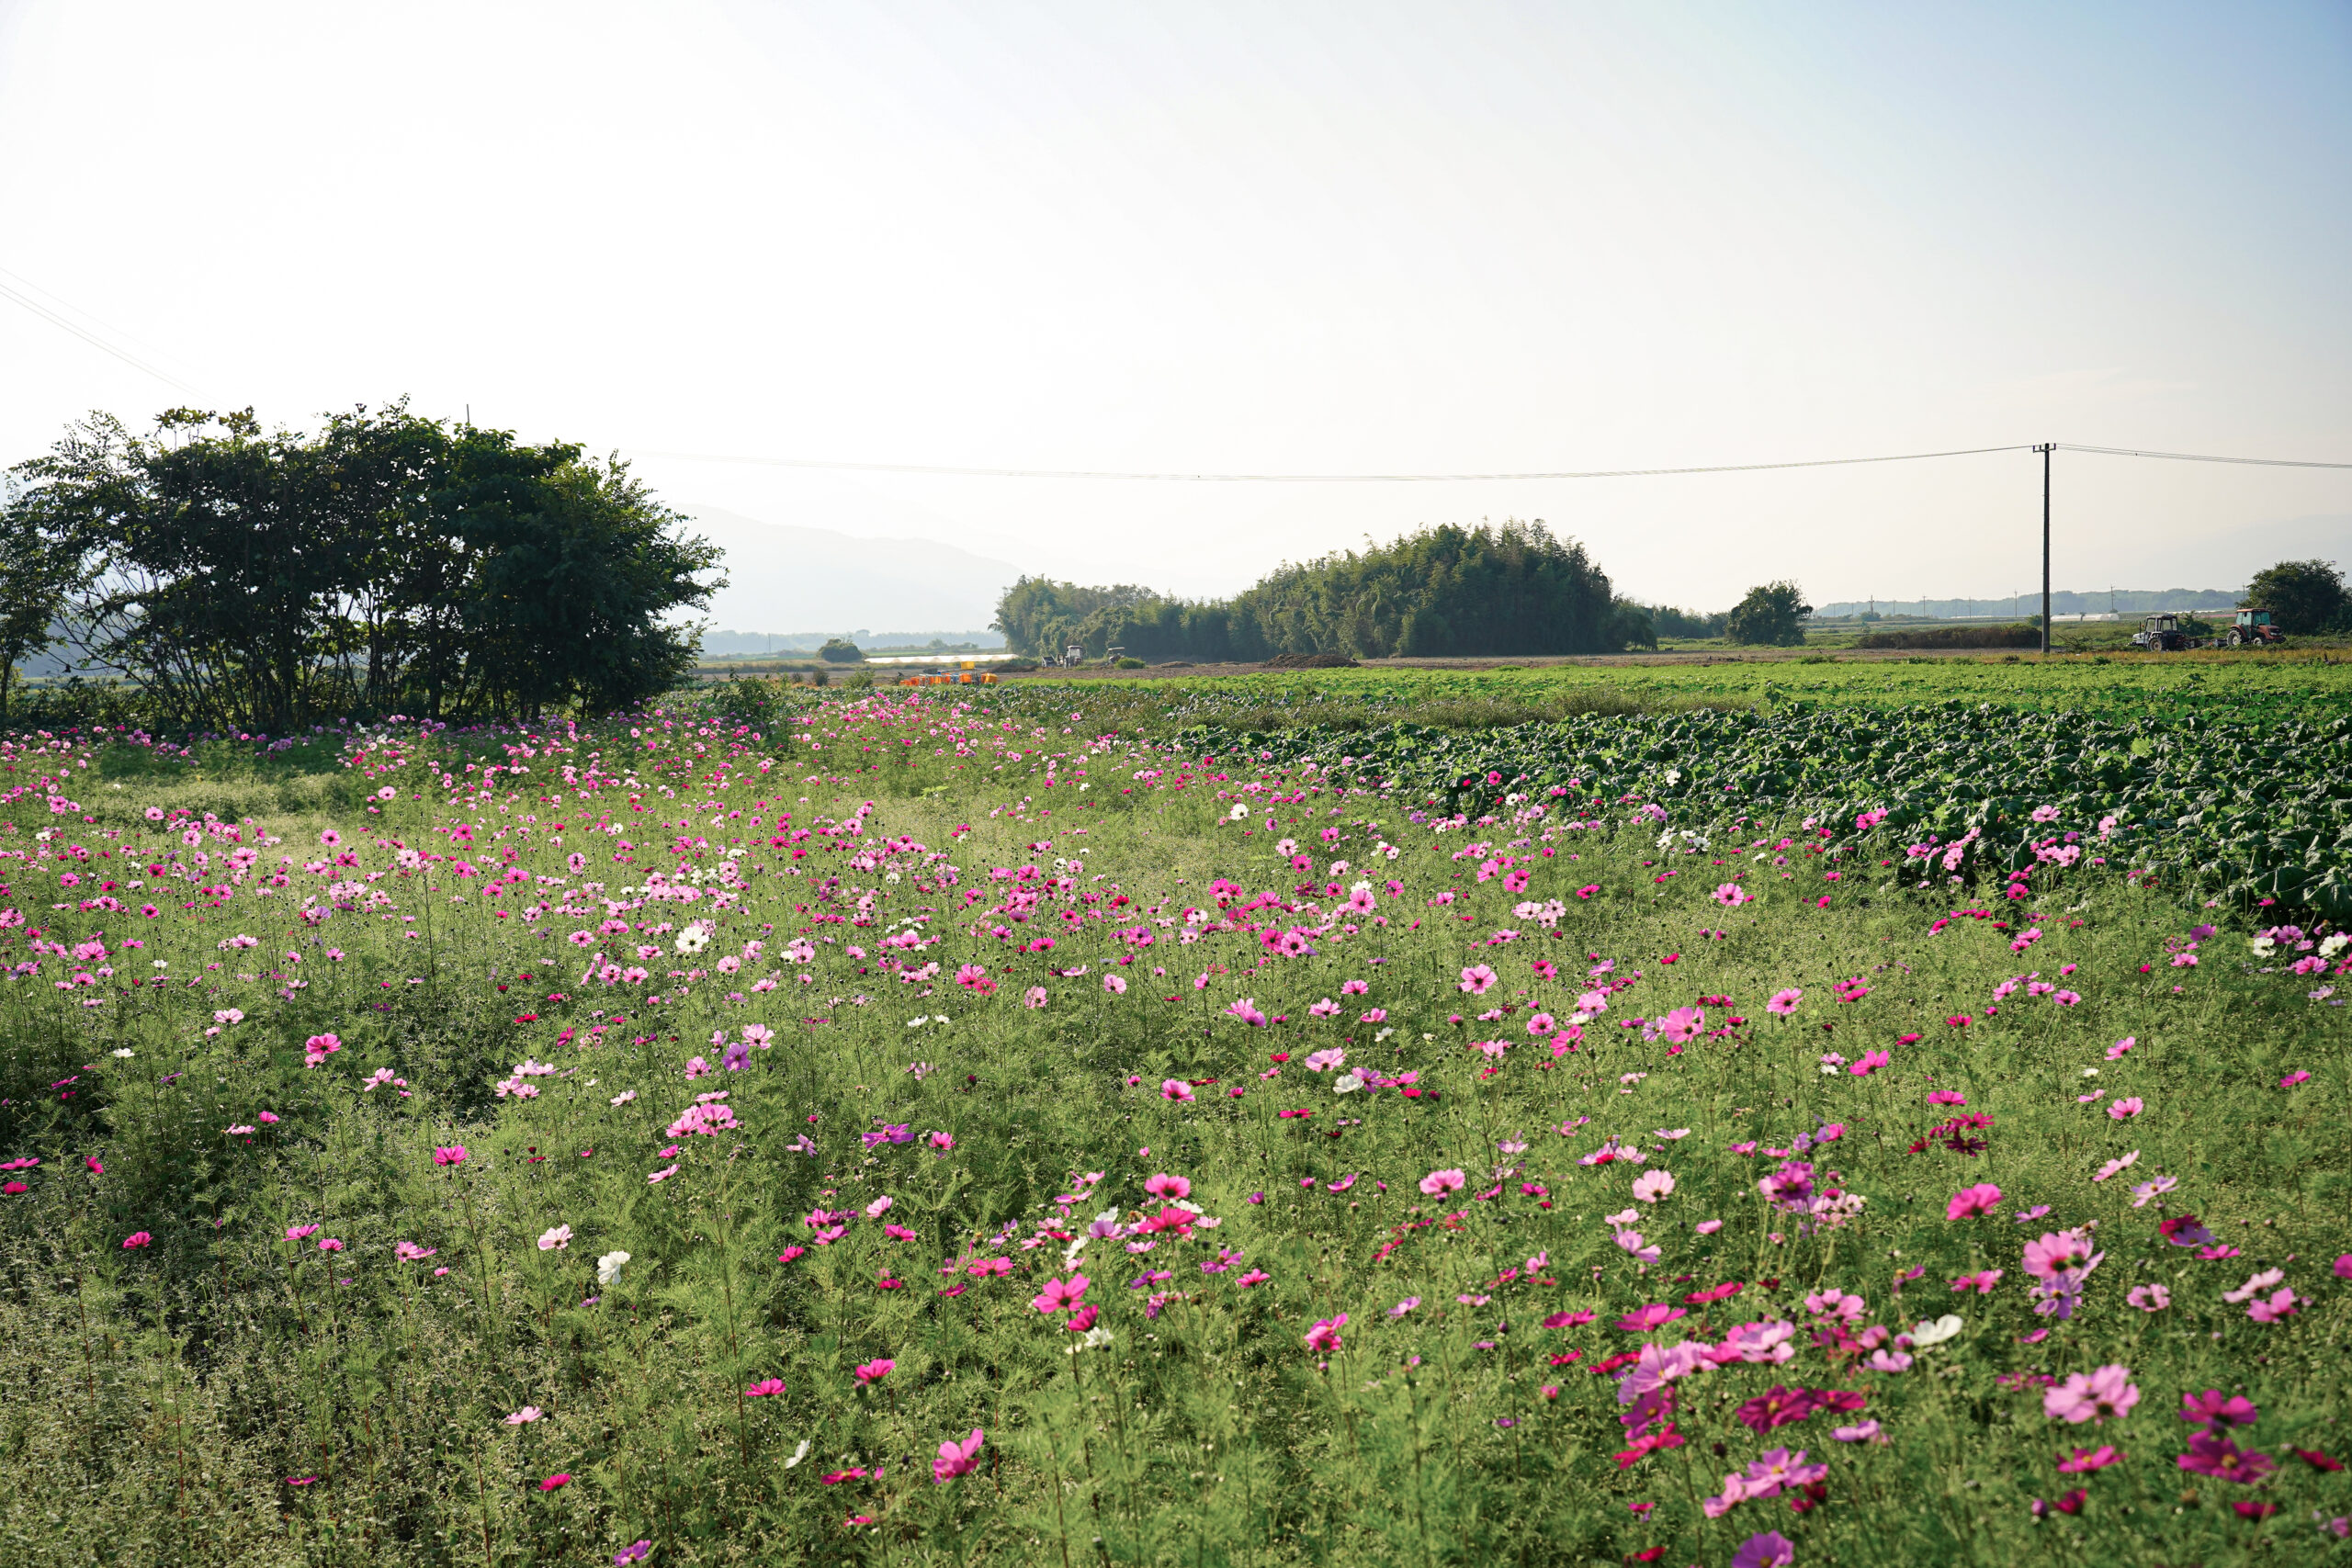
(1512, 588)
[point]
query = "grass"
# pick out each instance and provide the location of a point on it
(879, 876)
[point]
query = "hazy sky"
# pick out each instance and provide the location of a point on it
(1243, 237)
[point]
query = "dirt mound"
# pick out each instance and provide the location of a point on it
(1310, 661)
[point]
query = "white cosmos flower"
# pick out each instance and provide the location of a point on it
(1238, 813)
(694, 939)
(798, 1454)
(1936, 1333)
(608, 1268)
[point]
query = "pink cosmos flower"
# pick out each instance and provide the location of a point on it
(1438, 1181)
(1035, 996)
(1058, 1295)
(1115, 984)
(1478, 979)
(1971, 1201)
(552, 1481)
(1785, 1002)
(763, 1388)
(1983, 1281)
(1731, 895)
(2149, 1298)
(2209, 1409)
(2124, 1110)
(1325, 1335)
(957, 1459)
(453, 1155)
(1255, 1276)
(301, 1233)
(136, 1239)
(1871, 1062)
(1166, 1186)
(875, 1371)
(1654, 1315)
(1175, 1088)
(2102, 1395)
(2280, 1306)
(2086, 1460)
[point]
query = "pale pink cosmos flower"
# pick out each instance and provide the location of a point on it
(1175, 1088)
(2149, 1298)
(2103, 1396)
(555, 1239)
(2118, 1165)
(525, 1417)
(1438, 1181)
(2124, 1110)
(1115, 984)
(1652, 1185)
(2254, 1285)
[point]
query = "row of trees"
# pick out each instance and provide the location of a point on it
(257, 579)
(1491, 590)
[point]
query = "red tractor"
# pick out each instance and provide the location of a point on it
(2253, 630)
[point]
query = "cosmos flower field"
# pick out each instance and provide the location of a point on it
(916, 1129)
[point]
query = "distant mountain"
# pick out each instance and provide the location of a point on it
(2063, 602)
(782, 576)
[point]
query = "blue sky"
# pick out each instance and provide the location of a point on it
(1246, 237)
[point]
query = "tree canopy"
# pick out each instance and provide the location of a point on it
(1507, 589)
(1771, 615)
(2303, 596)
(387, 562)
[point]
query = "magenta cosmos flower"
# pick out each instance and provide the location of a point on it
(1970, 1201)
(957, 1459)
(1785, 1002)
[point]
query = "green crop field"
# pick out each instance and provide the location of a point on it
(1848, 1112)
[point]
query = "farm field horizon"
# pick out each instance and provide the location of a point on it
(1741, 1113)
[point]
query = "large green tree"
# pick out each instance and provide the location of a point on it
(1771, 615)
(257, 577)
(2303, 596)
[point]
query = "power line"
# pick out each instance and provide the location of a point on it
(1298, 478)
(2200, 457)
(952, 470)
(93, 339)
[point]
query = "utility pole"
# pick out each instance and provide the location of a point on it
(2045, 449)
